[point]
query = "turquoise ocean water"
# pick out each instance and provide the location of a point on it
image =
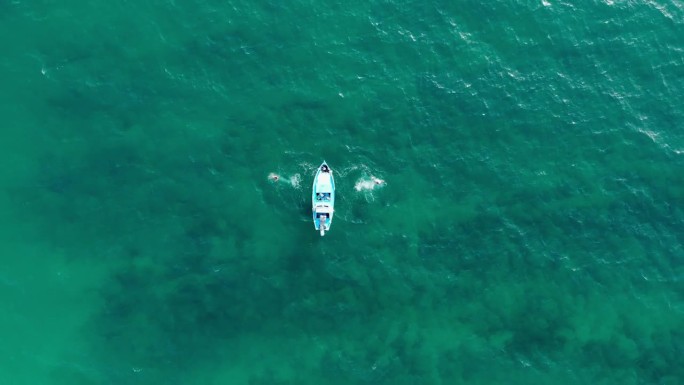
(529, 230)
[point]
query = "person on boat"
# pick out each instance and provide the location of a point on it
(325, 168)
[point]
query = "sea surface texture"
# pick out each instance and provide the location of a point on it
(510, 192)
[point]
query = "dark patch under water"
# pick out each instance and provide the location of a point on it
(529, 231)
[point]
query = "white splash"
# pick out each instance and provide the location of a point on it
(369, 184)
(273, 177)
(294, 180)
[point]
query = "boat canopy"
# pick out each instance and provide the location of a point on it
(323, 183)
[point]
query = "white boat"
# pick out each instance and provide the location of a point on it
(323, 198)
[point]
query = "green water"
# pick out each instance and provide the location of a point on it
(530, 229)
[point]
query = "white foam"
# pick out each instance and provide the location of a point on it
(369, 184)
(273, 177)
(364, 185)
(294, 180)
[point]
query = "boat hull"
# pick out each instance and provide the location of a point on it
(323, 198)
